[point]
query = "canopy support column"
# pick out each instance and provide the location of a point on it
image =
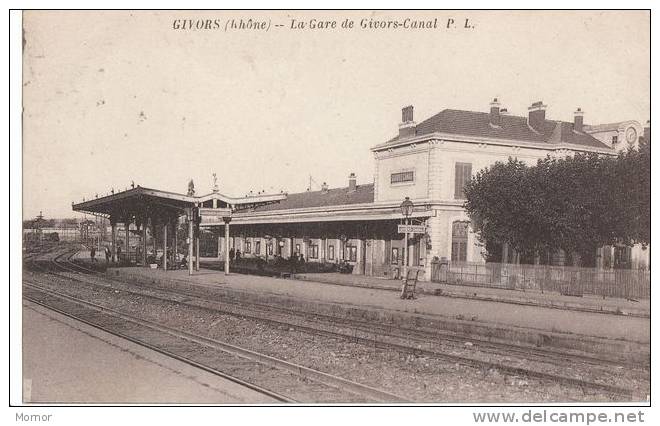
(127, 247)
(197, 251)
(165, 246)
(113, 239)
(227, 220)
(176, 240)
(190, 243)
(144, 241)
(153, 236)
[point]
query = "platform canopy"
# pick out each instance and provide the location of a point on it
(139, 202)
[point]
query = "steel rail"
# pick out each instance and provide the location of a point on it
(302, 371)
(373, 342)
(401, 332)
(609, 389)
(271, 394)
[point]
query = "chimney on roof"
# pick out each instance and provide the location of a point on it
(407, 128)
(352, 182)
(536, 117)
(324, 188)
(578, 120)
(495, 113)
(647, 131)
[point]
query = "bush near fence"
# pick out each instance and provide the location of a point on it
(567, 280)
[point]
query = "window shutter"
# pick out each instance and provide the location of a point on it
(458, 177)
(462, 175)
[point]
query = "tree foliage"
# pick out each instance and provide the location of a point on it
(577, 203)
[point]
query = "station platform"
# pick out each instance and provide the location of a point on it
(586, 303)
(486, 313)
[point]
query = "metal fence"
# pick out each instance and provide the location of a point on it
(567, 280)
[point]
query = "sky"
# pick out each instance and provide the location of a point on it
(111, 98)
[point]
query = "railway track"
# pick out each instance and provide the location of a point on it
(412, 334)
(360, 333)
(251, 369)
(53, 259)
(415, 336)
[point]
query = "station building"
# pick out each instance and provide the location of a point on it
(620, 135)
(428, 162)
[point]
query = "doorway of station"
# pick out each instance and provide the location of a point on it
(208, 244)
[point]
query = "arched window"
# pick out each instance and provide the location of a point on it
(459, 241)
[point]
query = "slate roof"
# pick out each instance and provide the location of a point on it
(470, 123)
(333, 197)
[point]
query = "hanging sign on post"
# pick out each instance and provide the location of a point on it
(412, 229)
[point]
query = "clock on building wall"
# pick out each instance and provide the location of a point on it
(631, 135)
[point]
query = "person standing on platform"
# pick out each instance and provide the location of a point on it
(107, 254)
(118, 253)
(92, 254)
(238, 255)
(231, 255)
(294, 261)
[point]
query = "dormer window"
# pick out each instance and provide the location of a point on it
(615, 139)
